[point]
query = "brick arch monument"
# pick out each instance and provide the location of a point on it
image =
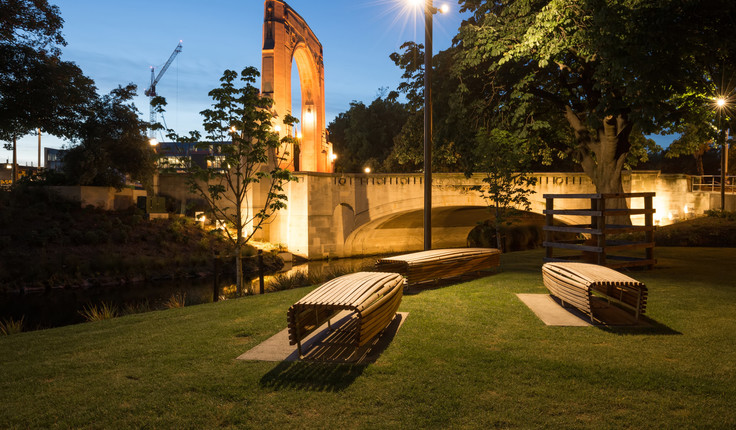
(287, 39)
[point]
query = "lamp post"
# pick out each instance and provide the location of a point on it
(721, 105)
(428, 10)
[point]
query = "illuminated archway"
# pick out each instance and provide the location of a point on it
(287, 39)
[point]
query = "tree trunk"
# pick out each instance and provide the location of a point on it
(238, 272)
(602, 157)
(15, 161)
(699, 164)
(497, 225)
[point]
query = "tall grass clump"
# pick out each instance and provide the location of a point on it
(283, 281)
(11, 326)
(178, 300)
(100, 312)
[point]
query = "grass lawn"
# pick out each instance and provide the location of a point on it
(470, 355)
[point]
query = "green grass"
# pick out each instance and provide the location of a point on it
(469, 355)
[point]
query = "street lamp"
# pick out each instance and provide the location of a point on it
(721, 105)
(429, 10)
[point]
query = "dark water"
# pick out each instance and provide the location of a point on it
(58, 307)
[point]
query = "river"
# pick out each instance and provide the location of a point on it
(59, 307)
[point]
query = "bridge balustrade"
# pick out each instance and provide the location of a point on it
(712, 183)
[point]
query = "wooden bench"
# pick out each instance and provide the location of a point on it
(371, 297)
(578, 283)
(437, 264)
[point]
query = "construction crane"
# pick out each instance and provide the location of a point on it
(151, 91)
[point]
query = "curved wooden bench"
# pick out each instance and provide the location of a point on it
(436, 264)
(578, 283)
(372, 297)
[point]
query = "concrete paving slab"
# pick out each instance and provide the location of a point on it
(549, 309)
(550, 312)
(319, 348)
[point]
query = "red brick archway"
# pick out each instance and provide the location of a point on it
(287, 39)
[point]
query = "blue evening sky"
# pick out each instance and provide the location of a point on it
(115, 42)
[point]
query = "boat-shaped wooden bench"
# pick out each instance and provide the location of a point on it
(437, 264)
(372, 298)
(578, 283)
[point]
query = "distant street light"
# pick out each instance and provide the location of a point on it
(367, 170)
(153, 142)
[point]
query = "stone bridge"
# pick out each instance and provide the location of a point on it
(342, 215)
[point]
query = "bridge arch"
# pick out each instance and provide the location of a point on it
(288, 40)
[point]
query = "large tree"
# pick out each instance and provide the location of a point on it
(363, 136)
(454, 131)
(606, 68)
(37, 88)
(112, 144)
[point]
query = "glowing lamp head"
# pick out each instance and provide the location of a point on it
(333, 156)
(367, 170)
(277, 129)
(445, 8)
(233, 129)
(308, 116)
(720, 102)
(153, 142)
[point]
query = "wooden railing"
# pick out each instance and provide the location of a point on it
(594, 244)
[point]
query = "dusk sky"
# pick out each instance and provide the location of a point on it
(116, 42)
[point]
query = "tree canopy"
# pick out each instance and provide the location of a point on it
(37, 88)
(605, 69)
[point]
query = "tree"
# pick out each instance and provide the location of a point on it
(364, 135)
(504, 160)
(607, 68)
(244, 184)
(454, 131)
(37, 88)
(112, 143)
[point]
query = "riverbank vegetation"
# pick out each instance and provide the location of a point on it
(469, 355)
(46, 242)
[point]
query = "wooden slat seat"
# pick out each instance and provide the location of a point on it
(437, 264)
(578, 283)
(372, 297)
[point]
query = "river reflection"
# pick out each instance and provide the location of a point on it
(58, 307)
